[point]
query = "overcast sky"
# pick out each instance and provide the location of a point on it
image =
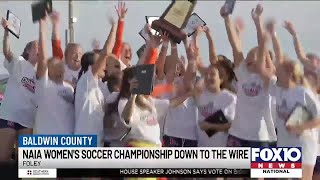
(93, 23)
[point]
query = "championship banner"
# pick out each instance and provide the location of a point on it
(54, 156)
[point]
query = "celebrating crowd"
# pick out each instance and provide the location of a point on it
(74, 92)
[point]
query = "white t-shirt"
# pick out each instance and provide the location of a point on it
(286, 102)
(253, 119)
(144, 124)
(162, 116)
(208, 104)
(70, 75)
(181, 121)
(55, 113)
(90, 106)
(18, 104)
(119, 127)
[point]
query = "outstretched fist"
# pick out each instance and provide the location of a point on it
(270, 26)
(256, 13)
(224, 11)
(289, 27)
(55, 17)
(4, 23)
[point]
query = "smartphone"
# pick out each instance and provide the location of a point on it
(149, 20)
(39, 9)
(229, 5)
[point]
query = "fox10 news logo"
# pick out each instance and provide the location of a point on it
(281, 162)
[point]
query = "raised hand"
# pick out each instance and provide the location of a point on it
(155, 41)
(256, 13)
(191, 52)
(44, 21)
(121, 10)
(223, 11)
(206, 29)
(289, 27)
(270, 26)
(239, 25)
(198, 31)
(55, 17)
(4, 23)
(164, 36)
(95, 44)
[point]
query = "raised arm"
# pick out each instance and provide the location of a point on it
(152, 53)
(233, 37)
(43, 53)
(176, 101)
(121, 11)
(265, 71)
(200, 66)
(174, 49)
(129, 107)
(191, 71)
(107, 49)
(111, 37)
(270, 26)
(56, 40)
(6, 45)
(212, 50)
(162, 55)
(257, 19)
(297, 45)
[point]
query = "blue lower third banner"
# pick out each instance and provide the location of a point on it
(58, 141)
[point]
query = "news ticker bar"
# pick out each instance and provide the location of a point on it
(136, 172)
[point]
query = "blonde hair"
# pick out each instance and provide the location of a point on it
(297, 73)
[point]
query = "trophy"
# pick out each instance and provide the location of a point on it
(174, 19)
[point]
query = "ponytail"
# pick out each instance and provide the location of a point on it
(86, 61)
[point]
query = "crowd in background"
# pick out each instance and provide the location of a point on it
(72, 92)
